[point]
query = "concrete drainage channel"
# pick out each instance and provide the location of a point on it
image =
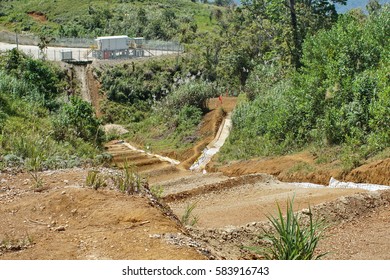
(162, 158)
(223, 133)
(335, 184)
(214, 146)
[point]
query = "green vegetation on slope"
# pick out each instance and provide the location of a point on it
(340, 96)
(160, 101)
(36, 125)
(175, 19)
(310, 78)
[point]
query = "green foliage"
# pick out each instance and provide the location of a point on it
(29, 94)
(161, 101)
(193, 94)
(292, 240)
(189, 116)
(70, 18)
(140, 82)
(188, 217)
(34, 165)
(95, 179)
(35, 80)
(128, 181)
(157, 191)
(340, 96)
(77, 120)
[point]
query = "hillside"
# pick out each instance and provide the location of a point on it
(95, 159)
(70, 18)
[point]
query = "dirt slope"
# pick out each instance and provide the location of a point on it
(69, 221)
(291, 168)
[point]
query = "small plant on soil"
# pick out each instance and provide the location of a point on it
(157, 191)
(188, 217)
(95, 179)
(34, 165)
(15, 244)
(292, 239)
(129, 181)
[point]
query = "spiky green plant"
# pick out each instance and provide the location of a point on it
(34, 165)
(129, 180)
(95, 179)
(157, 191)
(188, 218)
(292, 239)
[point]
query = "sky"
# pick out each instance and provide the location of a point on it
(351, 4)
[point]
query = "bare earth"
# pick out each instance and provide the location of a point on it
(67, 220)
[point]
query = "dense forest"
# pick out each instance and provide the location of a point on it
(306, 78)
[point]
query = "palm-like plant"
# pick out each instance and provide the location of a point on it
(293, 240)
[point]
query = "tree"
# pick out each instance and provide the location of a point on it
(44, 42)
(373, 6)
(297, 18)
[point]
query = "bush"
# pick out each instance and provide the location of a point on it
(194, 93)
(77, 120)
(36, 80)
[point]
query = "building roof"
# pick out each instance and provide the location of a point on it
(112, 37)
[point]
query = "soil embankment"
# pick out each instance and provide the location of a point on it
(301, 167)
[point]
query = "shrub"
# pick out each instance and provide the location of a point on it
(292, 240)
(77, 119)
(194, 93)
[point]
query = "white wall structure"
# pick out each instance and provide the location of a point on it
(112, 43)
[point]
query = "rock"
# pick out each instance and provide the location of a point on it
(60, 228)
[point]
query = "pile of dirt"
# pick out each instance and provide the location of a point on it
(69, 221)
(38, 16)
(377, 172)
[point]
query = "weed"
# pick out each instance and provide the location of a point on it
(34, 165)
(157, 191)
(129, 180)
(188, 218)
(95, 179)
(292, 240)
(15, 244)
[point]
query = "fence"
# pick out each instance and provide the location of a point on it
(81, 48)
(30, 39)
(164, 46)
(54, 53)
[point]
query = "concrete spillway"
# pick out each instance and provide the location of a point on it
(214, 146)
